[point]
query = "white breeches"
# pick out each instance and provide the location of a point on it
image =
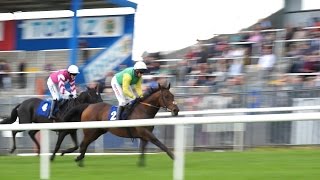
(53, 89)
(116, 87)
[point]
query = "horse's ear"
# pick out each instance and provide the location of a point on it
(159, 85)
(97, 87)
(169, 86)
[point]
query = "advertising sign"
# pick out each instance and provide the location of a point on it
(98, 32)
(62, 28)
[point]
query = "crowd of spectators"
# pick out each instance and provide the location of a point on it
(261, 58)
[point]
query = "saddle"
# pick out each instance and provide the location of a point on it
(128, 108)
(61, 103)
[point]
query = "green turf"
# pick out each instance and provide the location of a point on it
(288, 164)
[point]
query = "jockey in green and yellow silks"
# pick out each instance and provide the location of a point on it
(122, 81)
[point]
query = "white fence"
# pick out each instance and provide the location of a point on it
(179, 123)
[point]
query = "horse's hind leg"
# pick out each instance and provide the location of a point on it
(14, 147)
(74, 138)
(89, 136)
(143, 144)
(149, 136)
(61, 135)
(32, 135)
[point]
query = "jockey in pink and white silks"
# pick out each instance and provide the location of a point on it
(57, 80)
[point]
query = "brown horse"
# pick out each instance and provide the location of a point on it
(146, 108)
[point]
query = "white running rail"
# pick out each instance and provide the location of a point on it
(179, 123)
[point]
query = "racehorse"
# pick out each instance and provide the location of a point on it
(28, 112)
(145, 108)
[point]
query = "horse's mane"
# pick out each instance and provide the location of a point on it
(149, 92)
(67, 104)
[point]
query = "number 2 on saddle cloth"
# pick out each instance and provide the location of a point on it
(112, 115)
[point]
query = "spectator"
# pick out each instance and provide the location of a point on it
(22, 75)
(296, 66)
(1, 73)
(6, 78)
(107, 80)
(255, 37)
(309, 64)
(181, 71)
(83, 45)
(48, 67)
(202, 55)
(236, 67)
(266, 62)
(265, 24)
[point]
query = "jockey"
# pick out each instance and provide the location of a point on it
(122, 81)
(57, 80)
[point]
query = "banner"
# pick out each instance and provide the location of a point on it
(62, 28)
(42, 34)
(109, 59)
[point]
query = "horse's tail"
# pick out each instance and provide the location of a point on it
(74, 114)
(12, 118)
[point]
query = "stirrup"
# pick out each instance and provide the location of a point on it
(53, 117)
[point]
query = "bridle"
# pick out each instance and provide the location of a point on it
(158, 107)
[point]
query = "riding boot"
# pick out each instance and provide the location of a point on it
(119, 111)
(53, 104)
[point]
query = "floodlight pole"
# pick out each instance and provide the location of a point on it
(76, 5)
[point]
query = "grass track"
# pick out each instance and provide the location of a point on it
(283, 164)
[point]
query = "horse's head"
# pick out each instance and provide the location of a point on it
(166, 100)
(91, 95)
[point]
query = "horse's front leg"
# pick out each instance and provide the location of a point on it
(153, 139)
(61, 135)
(32, 135)
(143, 144)
(89, 135)
(73, 134)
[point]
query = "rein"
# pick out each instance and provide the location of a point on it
(157, 107)
(150, 105)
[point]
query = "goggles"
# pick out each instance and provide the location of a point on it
(142, 71)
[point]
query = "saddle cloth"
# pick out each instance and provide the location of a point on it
(112, 115)
(44, 108)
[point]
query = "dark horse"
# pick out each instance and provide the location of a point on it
(27, 113)
(146, 108)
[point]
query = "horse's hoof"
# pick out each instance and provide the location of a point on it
(62, 153)
(78, 159)
(52, 158)
(141, 164)
(80, 164)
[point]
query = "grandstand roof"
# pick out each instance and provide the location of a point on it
(10, 6)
